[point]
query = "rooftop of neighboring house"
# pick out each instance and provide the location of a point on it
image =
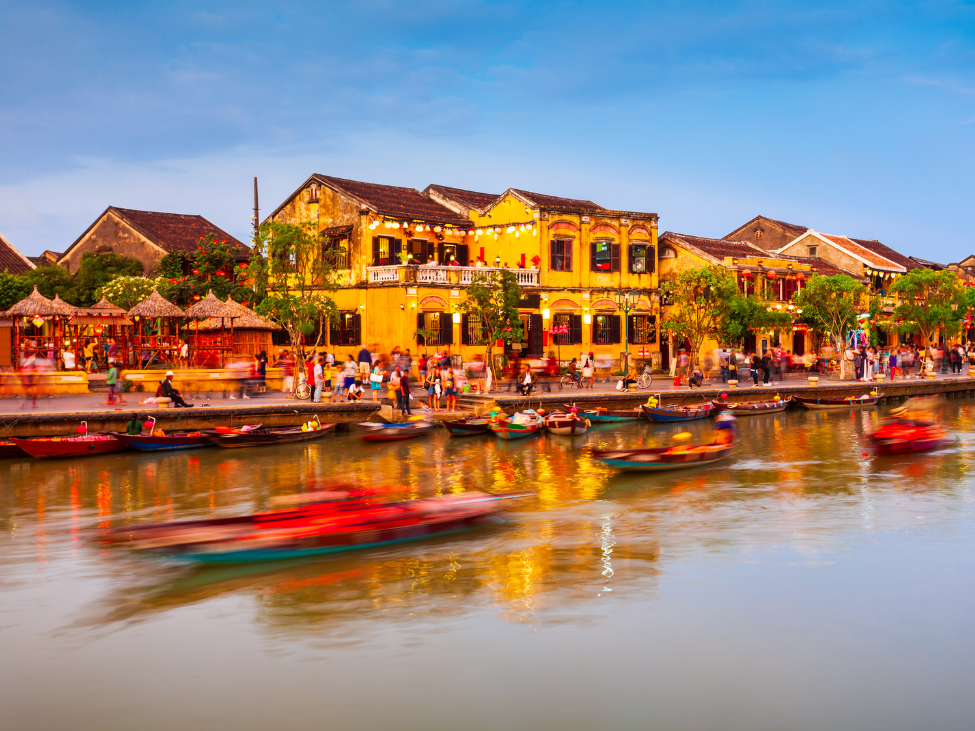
(480, 202)
(870, 256)
(392, 201)
(46, 258)
(888, 253)
(788, 227)
(822, 266)
(12, 260)
(556, 203)
(925, 264)
(715, 249)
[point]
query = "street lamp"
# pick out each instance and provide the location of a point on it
(626, 301)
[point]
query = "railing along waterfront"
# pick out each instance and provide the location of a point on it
(424, 274)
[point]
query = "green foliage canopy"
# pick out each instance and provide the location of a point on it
(493, 299)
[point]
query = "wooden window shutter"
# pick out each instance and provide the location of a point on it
(630, 328)
(335, 333)
(376, 251)
(446, 328)
(394, 250)
(420, 340)
(592, 256)
(651, 259)
(534, 335)
(464, 255)
(614, 257)
(594, 329)
(465, 334)
(567, 252)
(553, 254)
(614, 329)
(431, 251)
(440, 253)
(357, 329)
(576, 327)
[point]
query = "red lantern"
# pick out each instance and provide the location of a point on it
(147, 424)
(82, 429)
(771, 275)
(747, 273)
(196, 271)
(196, 297)
(800, 276)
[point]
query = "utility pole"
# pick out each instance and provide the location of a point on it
(255, 219)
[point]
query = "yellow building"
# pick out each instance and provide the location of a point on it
(409, 257)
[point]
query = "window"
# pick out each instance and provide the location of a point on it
(759, 233)
(561, 259)
(605, 256)
(385, 250)
(562, 321)
(667, 253)
(605, 329)
(337, 251)
(440, 326)
(471, 330)
(421, 250)
(641, 259)
(313, 193)
(811, 250)
(642, 329)
(348, 331)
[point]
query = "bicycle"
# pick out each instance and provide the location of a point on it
(646, 378)
(303, 389)
(570, 381)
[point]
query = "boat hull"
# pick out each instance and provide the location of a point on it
(268, 437)
(566, 426)
(395, 432)
(604, 417)
(53, 448)
(836, 404)
(753, 408)
(668, 415)
(509, 433)
(166, 443)
(659, 460)
(462, 428)
(893, 448)
(9, 450)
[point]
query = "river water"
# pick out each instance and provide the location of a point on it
(801, 585)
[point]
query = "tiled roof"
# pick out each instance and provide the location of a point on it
(716, 248)
(928, 264)
(174, 232)
(792, 228)
(540, 200)
(389, 200)
(885, 251)
(12, 260)
(821, 266)
(864, 253)
(470, 198)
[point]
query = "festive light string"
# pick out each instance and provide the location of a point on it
(516, 228)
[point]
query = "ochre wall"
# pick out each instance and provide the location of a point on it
(111, 234)
(827, 252)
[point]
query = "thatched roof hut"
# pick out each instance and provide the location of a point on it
(61, 307)
(34, 304)
(156, 306)
(103, 313)
(209, 307)
(250, 321)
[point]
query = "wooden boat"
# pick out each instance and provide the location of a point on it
(662, 458)
(468, 427)
(678, 413)
(63, 447)
(324, 526)
(835, 404)
(570, 425)
(165, 443)
(601, 415)
(395, 432)
(9, 450)
(906, 436)
(264, 437)
(517, 425)
(751, 408)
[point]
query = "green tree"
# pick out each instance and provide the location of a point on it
(215, 265)
(492, 299)
(292, 274)
(127, 292)
(747, 314)
(53, 280)
(97, 270)
(831, 305)
(700, 306)
(13, 288)
(930, 302)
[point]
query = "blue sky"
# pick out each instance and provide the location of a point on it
(851, 118)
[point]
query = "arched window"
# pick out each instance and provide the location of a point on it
(667, 252)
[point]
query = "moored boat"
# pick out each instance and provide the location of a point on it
(836, 404)
(678, 413)
(751, 408)
(395, 432)
(327, 525)
(601, 415)
(518, 425)
(63, 447)
(662, 458)
(470, 426)
(265, 437)
(570, 425)
(165, 442)
(9, 450)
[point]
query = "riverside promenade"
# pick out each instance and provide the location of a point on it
(53, 416)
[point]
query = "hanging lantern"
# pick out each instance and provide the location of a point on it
(800, 276)
(480, 232)
(389, 224)
(534, 231)
(747, 273)
(196, 271)
(436, 229)
(771, 275)
(510, 230)
(37, 321)
(419, 229)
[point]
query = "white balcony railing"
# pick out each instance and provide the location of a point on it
(443, 275)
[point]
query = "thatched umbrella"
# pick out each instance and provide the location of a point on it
(155, 307)
(211, 307)
(37, 305)
(98, 317)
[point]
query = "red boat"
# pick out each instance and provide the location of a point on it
(906, 436)
(333, 522)
(61, 447)
(395, 432)
(9, 450)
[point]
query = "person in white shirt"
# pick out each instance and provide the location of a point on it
(356, 391)
(319, 374)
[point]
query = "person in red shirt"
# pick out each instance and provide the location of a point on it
(310, 365)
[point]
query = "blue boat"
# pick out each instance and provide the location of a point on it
(600, 415)
(678, 413)
(164, 443)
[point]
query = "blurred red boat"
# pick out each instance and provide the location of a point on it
(905, 436)
(60, 447)
(333, 522)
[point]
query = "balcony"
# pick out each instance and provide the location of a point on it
(453, 276)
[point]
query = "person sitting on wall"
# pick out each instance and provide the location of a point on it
(527, 381)
(697, 377)
(170, 392)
